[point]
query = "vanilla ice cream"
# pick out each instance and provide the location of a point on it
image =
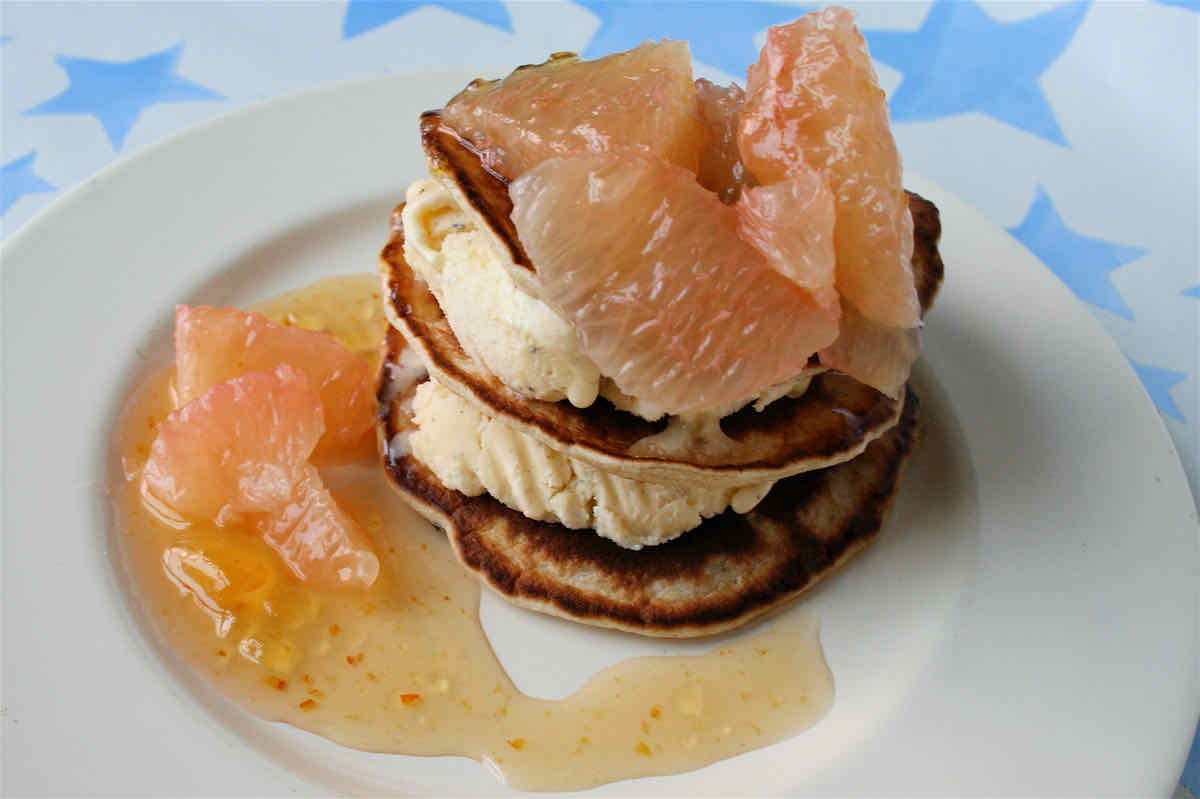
(472, 452)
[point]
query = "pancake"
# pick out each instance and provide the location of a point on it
(833, 421)
(729, 570)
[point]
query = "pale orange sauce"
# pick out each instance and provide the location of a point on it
(405, 667)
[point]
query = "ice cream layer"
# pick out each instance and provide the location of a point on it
(516, 336)
(474, 453)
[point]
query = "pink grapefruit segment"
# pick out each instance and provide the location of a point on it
(813, 99)
(664, 294)
(237, 449)
(216, 344)
(792, 223)
(318, 540)
(875, 354)
(238, 454)
(721, 169)
(643, 98)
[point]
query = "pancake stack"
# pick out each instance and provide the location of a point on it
(794, 486)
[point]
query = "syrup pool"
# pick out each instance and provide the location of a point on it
(405, 667)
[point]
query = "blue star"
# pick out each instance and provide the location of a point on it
(1194, 291)
(1081, 262)
(5, 39)
(1190, 778)
(17, 180)
(365, 15)
(962, 60)
(720, 33)
(1158, 383)
(116, 92)
(1190, 5)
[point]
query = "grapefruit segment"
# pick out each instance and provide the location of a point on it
(238, 454)
(813, 98)
(875, 354)
(237, 449)
(318, 540)
(663, 293)
(792, 223)
(215, 344)
(721, 169)
(642, 98)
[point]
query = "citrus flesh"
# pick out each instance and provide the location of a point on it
(664, 294)
(642, 98)
(238, 455)
(791, 222)
(878, 355)
(319, 541)
(813, 99)
(238, 448)
(215, 344)
(809, 176)
(721, 169)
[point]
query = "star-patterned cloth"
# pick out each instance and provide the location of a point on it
(1158, 383)
(963, 60)
(1072, 124)
(17, 178)
(721, 33)
(1083, 263)
(367, 15)
(117, 92)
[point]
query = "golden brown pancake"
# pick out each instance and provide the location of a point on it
(729, 570)
(832, 422)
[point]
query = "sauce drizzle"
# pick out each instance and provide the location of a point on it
(405, 667)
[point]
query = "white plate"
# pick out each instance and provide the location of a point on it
(1026, 625)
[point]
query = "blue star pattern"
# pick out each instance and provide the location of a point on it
(962, 60)
(1081, 262)
(5, 39)
(17, 179)
(1190, 5)
(116, 92)
(1158, 383)
(1194, 291)
(366, 15)
(721, 33)
(1191, 771)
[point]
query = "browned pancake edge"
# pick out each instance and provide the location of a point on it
(731, 569)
